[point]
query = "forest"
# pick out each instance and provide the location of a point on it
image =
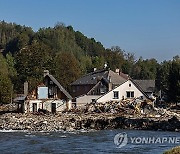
(69, 54)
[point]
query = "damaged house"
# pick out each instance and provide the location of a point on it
(106, 85)
(127, 90)
(49, 96)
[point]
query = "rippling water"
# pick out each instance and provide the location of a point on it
(79, 142)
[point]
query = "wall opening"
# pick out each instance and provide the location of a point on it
(53, 107)
(34, 107)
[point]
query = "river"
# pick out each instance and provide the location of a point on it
(91, 142)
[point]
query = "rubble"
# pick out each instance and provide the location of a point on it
(126, 114)
(74, 121)
(11, 107)
(134, 107)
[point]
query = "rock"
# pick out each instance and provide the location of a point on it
(45, 122)
(77, 121)
(28, 127)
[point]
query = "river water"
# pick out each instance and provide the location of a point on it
(91, 142)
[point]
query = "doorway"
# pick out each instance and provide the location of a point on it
(34, 107)
(53, 107)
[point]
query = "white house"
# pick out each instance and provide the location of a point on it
(128, 89)
(106, 85)
(82, 100)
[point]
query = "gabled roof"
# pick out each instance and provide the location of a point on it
(146, 85)
(94, 77)
(59, 86)
(20, 97)
(90, 78)
(115, 78)
(137, 86)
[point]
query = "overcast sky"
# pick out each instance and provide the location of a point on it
(147, 28)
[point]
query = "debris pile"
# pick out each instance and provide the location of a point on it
(136, 107)
(4, 108)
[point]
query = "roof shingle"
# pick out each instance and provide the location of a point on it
(93, 77)
(146, 85)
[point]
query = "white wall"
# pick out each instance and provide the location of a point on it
(60, 105)
(81, 101)
(29, 105)
(122, 92)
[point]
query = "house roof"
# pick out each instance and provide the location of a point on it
(59, 86)
(115, 78)
(146, 85)
(137, 86)
(20, 97)
(93, 78)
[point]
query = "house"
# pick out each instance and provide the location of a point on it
(84, 84)
(49, 96)
(127, 90)
(106, 85)
(95, 84)
(21, 98)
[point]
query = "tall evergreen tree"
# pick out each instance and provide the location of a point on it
(174, 80)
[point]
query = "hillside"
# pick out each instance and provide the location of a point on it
(67, 54)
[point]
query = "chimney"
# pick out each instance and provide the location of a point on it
(46, 72)
(109, 79)
(117, 71)
(110, 86)
(95, 69)
(26, 88)
(105, 65)
(110, 83)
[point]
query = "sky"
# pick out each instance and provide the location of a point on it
(147, 28)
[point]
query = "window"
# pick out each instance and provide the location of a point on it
(50, 82)
(116, 94)
(103, 89)
(129, 85)
(74, 100)
(93, 100)
(130, 94)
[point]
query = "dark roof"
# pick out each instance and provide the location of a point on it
(115, 78)
(93, 78)
(146, 85)
(126, 76)
(20, 97)
(59, 86)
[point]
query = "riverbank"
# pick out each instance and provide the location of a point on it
(77, 121)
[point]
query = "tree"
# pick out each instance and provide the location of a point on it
(30, 64)
(174, 80)
(145, 69)
(5, 89)
(11, 66)
(128, 64)
(67, 68)
(162, 77)
(115, 57)
(5, 82)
